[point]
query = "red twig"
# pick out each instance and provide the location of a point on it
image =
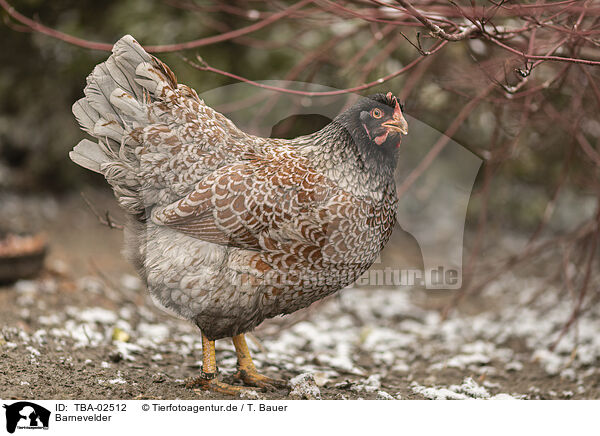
(38, 27)
(443, 141)
(434, 28)
(585, 285)
(203, 66)
(542, 57)
(105, 220)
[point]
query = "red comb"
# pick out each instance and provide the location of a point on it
(397, 109)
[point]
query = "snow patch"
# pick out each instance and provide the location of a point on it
(304, 387)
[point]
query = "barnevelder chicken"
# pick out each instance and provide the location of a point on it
(226, 228)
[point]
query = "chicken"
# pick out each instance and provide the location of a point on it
(228, 229)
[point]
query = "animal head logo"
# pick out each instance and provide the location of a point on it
(432, 206)
(26, 415)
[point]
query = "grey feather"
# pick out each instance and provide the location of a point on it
(86, 115)
(89, 155)
(111, 120)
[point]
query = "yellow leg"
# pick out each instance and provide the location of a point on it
(247, 371)
(208, 379)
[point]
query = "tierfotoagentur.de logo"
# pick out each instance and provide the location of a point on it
(25, 415)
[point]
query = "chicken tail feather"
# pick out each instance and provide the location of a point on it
(117, 98)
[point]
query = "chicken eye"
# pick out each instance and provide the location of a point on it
(377, 113)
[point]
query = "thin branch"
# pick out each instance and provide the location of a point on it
(202, 65)
(38, 27)
(528, 253)
(542, 58)
(443, 141)
(436, 30)
(584, 144)
(584, 286)
(593, 84)
(105, 220)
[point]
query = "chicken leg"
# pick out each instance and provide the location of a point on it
(246, 371)
(208, 379)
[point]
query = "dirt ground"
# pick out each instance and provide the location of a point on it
(86, 329)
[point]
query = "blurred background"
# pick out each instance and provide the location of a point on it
(517, 85)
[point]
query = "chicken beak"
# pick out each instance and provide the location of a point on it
(397, 123)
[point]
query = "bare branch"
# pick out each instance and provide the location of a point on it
(443, 141)
(106, 220)
(38, 27)
(436, 30)
(203, 66)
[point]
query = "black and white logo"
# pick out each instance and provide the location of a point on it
(26, 415)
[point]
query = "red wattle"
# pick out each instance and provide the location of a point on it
(381, 138)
